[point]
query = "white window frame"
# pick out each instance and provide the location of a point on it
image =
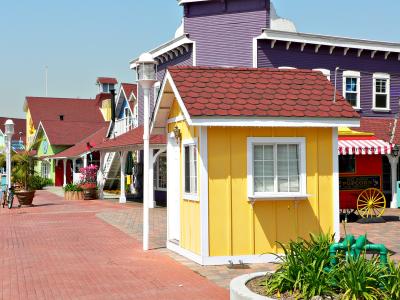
(325, 72)
(287, 68)
(383, 76)
(45, 169)
(156, 90)
(301, 142)
(157, 173)
(357, 75)
(190, 196)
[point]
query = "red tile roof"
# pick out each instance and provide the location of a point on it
(73, 110)
(130, 139)
(83, 146)
(129, 88)
(102, 96)
(380, 127)
(19, 127)
(109, 80)
(247, 92)
(69, 133)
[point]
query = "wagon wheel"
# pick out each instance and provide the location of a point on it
(371, 203)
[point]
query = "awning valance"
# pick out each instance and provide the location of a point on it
(363, 146)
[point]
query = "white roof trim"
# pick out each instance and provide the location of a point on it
(37, 134)
(180, 2)
(332, 41)
(163, 49)
(274, 122)
(168, 79)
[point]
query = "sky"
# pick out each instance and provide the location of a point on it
(82, 40)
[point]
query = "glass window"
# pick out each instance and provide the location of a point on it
(347, 163)
(351, 87)
(190, 169)
(160, 172)
(381, 91)
(276, 168)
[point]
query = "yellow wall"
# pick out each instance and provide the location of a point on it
(30, 128)
(190, 210)
(106, 109)
(237, 228)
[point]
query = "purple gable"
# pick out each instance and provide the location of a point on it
(224, 30)
(309, 59)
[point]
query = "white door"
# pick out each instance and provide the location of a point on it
(173, 189)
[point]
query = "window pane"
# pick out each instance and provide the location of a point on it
(283, 185)
(293, 152)
(258, 152)
(269, 152)
(269, 184)
(347, 163)
(187, 169)
(294, 184)
(294, 168)
(258, 169)
(258, 185)
(381, 85)
(268, 168)
(282, 152)
(380, 101)
(351, 84)
(352, 98)
(283, 168)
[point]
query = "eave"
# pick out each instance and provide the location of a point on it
(330, 41)
(168, 51)
(180, 2)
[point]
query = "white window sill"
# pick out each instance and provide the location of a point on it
(381, 109)
(356, 108)
(279, 196)
(191, 197)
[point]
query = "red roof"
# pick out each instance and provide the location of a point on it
(102, 96)
(130, 139)
(129, 88)
(69, 133)
(19, 127)
(73, 110)
(248, 92)
(105, 80)
(381, 127)
(84, 145)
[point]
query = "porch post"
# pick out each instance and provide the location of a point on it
(73, 169)
(151, 179)
(123, 155)
(393, 166)
(65, 172)
(85, 161)
(100, 175)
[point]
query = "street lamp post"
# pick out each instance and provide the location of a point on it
(9, 132)
(146, 75)
(394, 160)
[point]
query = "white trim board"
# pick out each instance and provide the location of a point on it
(336, 206)
(204, 220)
(222, 260)
(274, 122)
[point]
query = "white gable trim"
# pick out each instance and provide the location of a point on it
(37, 134)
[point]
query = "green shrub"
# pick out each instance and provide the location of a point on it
(70, 187)
(38, 183)
(391, 282)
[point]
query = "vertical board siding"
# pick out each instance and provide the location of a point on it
(225, 40)
(238, 228)
(278, 56)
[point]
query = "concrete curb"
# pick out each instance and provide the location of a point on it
(239, 291)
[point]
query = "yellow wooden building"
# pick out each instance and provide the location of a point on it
(252, 159)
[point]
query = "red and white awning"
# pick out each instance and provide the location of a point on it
(363, 146)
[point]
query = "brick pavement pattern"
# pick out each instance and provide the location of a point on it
(61, 250)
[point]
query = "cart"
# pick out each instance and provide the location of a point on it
(368, 203)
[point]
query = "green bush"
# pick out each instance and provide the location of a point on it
(38, 183)
(305, 273)
(70, 187)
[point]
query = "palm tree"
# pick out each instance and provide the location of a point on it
(23, 170)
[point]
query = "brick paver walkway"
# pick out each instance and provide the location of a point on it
(61, 250)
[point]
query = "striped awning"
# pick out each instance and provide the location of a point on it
(363, 146)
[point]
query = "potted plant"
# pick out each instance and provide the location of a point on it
(73, 192)
(89, 182)
(23, 176)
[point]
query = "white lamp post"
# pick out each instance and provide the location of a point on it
(146, 75)
(9, 132)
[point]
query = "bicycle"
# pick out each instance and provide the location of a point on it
(8, 196)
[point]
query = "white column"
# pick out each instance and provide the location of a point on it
(151, 179)
(100, 175)
(122, 196)
(8, 160)
(85, 161)
(65, 172)
(393, 166)
(146, 160)
(73, 170)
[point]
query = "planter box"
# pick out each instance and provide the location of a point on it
(90, 194)
(73, 195)
(239, 290)
(25, 198)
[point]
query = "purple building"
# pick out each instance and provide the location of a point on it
(249, 33)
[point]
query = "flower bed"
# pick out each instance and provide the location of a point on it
(306, 273)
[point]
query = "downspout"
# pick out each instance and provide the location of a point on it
(335, 87)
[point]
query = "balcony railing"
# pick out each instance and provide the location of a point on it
(123, 125)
